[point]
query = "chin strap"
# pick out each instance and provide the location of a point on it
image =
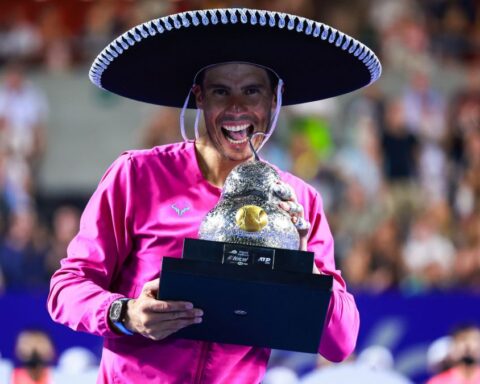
(273, 121)
(197, 119)
(182, 117)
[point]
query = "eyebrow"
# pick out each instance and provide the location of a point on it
(219, 85)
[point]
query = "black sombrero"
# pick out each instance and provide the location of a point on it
(156, 61)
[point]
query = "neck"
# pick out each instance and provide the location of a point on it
(213, 165)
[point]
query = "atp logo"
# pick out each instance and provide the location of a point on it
(180, 210)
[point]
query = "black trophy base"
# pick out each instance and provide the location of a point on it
(250, 304)
(248, 255)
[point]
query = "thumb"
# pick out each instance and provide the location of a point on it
(150, 288)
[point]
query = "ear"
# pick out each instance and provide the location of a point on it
(197, 92)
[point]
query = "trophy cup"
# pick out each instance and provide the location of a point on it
(248, 211)
(247, 227)
(245, 271)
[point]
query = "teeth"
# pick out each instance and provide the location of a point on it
(236, 141)
(235, 128)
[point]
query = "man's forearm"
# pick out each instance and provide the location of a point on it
(341, 327)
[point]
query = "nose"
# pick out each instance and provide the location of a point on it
(236, 105)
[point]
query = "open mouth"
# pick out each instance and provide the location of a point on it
(237, 134)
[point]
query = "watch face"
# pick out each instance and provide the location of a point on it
(115, 311)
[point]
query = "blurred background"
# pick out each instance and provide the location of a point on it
(397, 164)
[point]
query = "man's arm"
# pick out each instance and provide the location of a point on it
(80, 294)
(80, 291)
(342, 322)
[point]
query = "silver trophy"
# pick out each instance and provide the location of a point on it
(248, 212)
(247, 227)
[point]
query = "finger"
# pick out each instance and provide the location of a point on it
(169, 327)
(176, 325)
(292, 207)
(150, 288)
(296, 208)
(159, 321)
(301, 224)
(283, 191)
(168, 306)
(179, 315)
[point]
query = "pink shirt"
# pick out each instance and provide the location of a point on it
(454, 376)
(145, 205)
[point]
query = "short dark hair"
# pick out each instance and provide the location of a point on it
(464, 327)
(272, 77)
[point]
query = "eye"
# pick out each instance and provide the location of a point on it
(220, 92)
(252, 91)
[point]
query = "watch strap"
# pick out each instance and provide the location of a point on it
(121, 327)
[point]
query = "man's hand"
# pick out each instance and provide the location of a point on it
(290, 205)
(157, 319)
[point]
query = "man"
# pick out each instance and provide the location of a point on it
(149, 201)
(23, 115)
(35, 352)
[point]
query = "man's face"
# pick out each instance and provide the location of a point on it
(466, 344)
(237, 100)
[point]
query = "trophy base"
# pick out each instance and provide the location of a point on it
(248, 255)
(248, 301)
(249, 306)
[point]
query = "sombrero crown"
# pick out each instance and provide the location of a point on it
(156, 61)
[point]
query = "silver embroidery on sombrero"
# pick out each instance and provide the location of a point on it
(192, 19)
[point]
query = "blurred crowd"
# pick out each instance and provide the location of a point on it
(37, 362)
(397, 164)
(453, 358)
(398, 167)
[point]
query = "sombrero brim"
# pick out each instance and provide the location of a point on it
(156, 62)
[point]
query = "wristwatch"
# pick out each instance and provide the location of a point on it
(116, 315)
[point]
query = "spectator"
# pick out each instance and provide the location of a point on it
(21, 40)
(35, 351)
(22, 253)
(99, 28)
(465, 357)
(356, 217)
(161, 127)
(76, 365)
(386, 265)
(399, 147)
(467, 260)
(374, 263)
(451, 43)
(280, 375)
(374, 365)
(464, 117)
(6, 368)
(425, 114)
(467, 196)
(428, 255)
(75, 360)
(438, 355)
(23, 113)
(65, 226)
(57, 47)
(360, 158)
(356, 265)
